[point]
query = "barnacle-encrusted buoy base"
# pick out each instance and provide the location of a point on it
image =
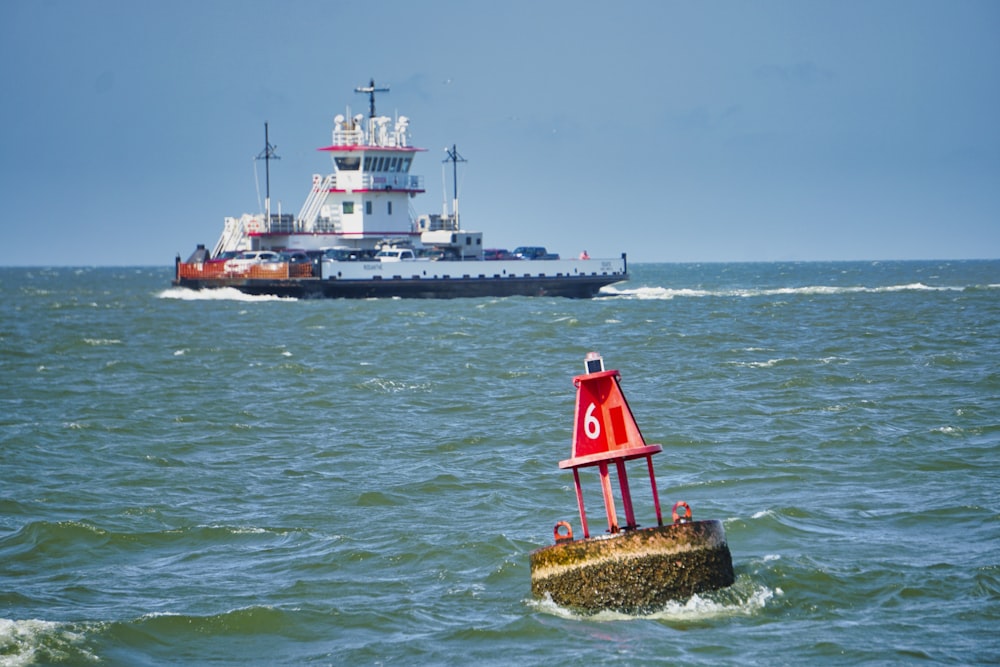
(634, 571)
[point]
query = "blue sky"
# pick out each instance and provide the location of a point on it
(673, 131)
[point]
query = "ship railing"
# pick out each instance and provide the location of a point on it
(234, 232)
(283, 224)
(348, 137)
(314, 202)
(324, 224)
(393, 181)
(229, 229)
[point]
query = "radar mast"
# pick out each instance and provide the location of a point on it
(454, 158)
(267, 155)
(370, 89)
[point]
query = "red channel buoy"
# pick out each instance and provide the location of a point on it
(628, 569)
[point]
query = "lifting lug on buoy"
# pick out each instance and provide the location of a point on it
(563, 537)
(685, 518)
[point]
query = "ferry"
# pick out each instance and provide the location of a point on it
(356, 235)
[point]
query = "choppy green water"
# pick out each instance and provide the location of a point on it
(211, 479)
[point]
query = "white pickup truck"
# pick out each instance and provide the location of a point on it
(396, 255)
(245, 260)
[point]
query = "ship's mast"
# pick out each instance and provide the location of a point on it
(267, 155)
(371, 90)
(454, 158)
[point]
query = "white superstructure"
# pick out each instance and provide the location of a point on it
(363, 204)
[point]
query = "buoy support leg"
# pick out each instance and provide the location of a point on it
(656, 495)
(579, 502)
(626, 494)
(609, 499)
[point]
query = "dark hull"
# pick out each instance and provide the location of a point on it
(573, 287)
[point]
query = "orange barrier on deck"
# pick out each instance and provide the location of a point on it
(270, 270)
(201, 270)
(267, 270)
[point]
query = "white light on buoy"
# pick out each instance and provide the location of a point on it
(594, 363)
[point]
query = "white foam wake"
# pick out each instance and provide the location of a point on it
(743, 598)
(665, 293)
(217, 294)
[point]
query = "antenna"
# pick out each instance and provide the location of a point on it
(454, 158)
(267, 155)
(371, 90)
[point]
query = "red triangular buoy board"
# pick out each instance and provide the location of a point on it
(605, 433)
(604, 423)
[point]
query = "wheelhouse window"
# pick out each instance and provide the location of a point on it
(348, 163)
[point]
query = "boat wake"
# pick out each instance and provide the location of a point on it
(664, 293)
(217, 294)
(652, 293)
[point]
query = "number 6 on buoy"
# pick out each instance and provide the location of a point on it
(591, 425)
